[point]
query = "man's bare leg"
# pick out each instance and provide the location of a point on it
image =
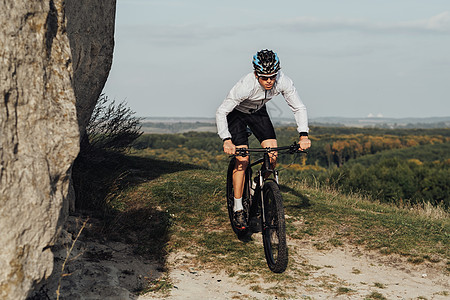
(238, 186)
(239, 174)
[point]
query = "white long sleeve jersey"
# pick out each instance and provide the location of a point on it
(248, 96)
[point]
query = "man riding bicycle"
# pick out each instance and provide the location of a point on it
(245, 107)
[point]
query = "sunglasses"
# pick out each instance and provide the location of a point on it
(265, 78)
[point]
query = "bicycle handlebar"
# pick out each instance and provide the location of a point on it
(294, 148)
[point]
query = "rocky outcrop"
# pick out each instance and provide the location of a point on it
(43, 65)
(90, 27)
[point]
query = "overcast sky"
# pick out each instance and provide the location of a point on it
(347, 58)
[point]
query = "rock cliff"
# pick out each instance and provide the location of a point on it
(55, 56)
(90, 28)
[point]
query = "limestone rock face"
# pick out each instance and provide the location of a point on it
(90, 27)
(39, 129)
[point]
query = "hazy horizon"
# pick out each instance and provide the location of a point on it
(288, 116)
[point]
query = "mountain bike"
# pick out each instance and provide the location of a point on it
(263, 204)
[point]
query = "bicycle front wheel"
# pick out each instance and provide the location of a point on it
(274, 229)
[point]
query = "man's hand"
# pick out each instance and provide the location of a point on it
(304, 143)
(229, 147)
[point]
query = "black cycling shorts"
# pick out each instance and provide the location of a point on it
(259, 123)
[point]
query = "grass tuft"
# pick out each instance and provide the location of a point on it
(344, 290)
(375, 296)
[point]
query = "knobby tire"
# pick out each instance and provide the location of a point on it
(274, 231)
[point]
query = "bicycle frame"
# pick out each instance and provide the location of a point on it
(262, 176)
(265, 160)
(265, 171)
(268, 201)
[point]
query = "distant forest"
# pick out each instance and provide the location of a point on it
(401, 166)
(177, 127)
(180, 125)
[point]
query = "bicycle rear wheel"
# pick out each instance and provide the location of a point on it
(230, 197)
(274, 229)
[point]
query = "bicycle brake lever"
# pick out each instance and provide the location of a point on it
(294, 148)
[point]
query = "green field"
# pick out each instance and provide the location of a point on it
(172, 196)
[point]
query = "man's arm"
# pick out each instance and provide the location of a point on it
(292, 98)
(221, 118)
(238, 93)
(289, 93)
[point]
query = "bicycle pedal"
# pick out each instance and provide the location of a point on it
(255, 224)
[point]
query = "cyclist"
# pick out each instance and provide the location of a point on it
(245, 107)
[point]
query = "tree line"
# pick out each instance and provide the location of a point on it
(396, 166)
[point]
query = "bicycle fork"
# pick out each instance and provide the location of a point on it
(261, 175)
(261, 198)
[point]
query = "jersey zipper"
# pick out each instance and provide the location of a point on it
(262, 101)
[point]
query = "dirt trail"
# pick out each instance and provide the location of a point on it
(111, 270)
(365, 273)
(339, 273)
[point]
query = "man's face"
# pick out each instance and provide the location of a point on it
(267, 81)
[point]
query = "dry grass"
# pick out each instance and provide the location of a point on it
(68, 259)
(429, 211)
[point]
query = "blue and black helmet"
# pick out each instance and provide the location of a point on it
(266, 62)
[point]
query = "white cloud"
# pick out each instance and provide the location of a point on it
(317, 24)
(192, 33)
(181, 34)
(439, 23)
